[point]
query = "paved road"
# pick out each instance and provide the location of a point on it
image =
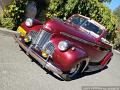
(17, 72)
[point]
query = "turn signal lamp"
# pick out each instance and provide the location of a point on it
(44, 54)
(26, 39)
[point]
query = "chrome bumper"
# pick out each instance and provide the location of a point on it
(41, 60)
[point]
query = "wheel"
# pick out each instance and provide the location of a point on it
(76, 70)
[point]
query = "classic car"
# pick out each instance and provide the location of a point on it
(67, 48)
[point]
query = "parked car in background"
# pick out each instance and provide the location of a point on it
(67, 48)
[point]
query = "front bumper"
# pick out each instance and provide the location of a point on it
(41, 60)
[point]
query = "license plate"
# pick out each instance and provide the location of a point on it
(21, 31)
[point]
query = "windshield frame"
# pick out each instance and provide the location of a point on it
(102, 28)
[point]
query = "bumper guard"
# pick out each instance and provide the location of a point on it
(41, 60)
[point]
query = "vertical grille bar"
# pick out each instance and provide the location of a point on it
(42, 41)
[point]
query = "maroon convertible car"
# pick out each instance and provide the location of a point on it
(67, 48)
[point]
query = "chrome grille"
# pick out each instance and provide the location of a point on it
(42, 42)
(49, 48)
(33, 34)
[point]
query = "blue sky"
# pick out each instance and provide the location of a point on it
(113, 4)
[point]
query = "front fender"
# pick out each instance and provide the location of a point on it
(23, 29)
(66, 60)
(34, 27)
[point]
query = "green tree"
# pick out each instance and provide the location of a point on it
(117, 13)
(104, 1)
(13, 14)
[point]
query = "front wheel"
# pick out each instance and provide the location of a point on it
(75, 71)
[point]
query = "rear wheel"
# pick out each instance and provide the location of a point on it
(75, 71)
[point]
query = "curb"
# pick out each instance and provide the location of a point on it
(7, 31)
(117, 51)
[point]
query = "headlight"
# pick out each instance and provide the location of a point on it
(29, 22)
(63, 45)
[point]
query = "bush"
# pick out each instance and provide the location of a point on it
(0, 22)
(7, 22)
(117, 39)
(13, 14)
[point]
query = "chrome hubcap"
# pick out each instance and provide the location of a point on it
(75, 69)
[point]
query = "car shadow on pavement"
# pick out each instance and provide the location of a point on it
(58, 78)
(89, 73)
(75, 78)
(47, 71)
(34, 60)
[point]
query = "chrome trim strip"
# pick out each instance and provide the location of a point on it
(43, 43)
(78, 39)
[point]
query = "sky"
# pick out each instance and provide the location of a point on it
(113, 4)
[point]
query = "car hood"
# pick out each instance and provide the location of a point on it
(58, 27)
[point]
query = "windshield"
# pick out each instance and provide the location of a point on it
(85, 23)
(78, 20)
(92, 27)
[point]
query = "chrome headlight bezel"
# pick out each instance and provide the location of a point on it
(29, 22)
(28, 38)
(63, 45)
